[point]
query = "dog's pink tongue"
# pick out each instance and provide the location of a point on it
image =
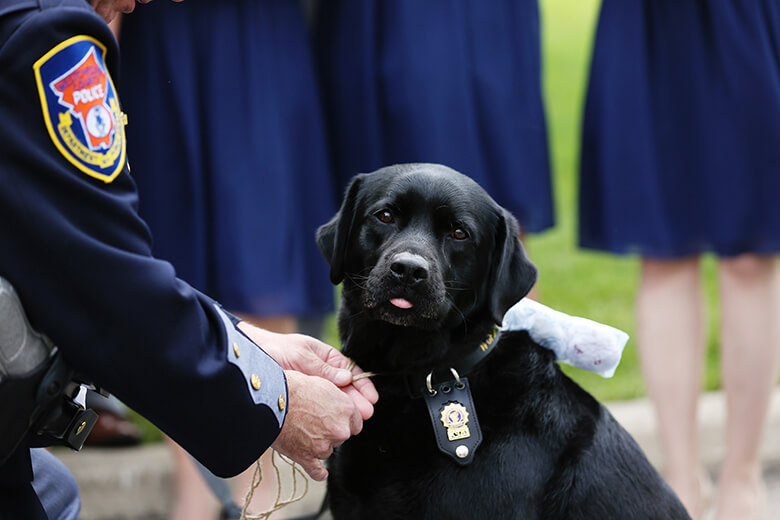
(401, 303)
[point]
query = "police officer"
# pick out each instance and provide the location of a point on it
(79, 257)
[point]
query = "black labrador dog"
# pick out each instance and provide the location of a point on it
(468, 425)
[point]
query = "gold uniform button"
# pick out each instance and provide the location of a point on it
(282, 404)
(255, 380)
(235, 349)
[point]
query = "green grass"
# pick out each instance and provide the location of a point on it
(584, 283)
(149, 432)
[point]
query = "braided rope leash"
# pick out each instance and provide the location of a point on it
(295, 470)
(257, 478)
(351, 366)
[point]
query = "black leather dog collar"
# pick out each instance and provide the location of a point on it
(415, 383)
(465, 365)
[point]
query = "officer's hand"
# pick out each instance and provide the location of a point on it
(315, 358)
(108, 9)
(319, 418)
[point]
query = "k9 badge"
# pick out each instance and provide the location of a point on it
(455, 417)
(81, 108)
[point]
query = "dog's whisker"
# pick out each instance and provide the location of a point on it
(456, 309)
(455, 285)
(360, 312)
(359, 281)
(453, 288)
(455, 282)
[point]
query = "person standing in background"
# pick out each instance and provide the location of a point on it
(226, 142)
(680, 157)
(456, 83)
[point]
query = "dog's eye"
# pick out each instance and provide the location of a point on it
(384, 216)
(459, 234)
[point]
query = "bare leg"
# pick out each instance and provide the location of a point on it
(264, 495)
(193, 500)
(671, 338)
(750, 347)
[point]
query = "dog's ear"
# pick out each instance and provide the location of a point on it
(333, 237)
(513, 274)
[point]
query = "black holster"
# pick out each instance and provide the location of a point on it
(38, 405)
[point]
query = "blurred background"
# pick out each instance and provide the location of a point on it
(599, 286)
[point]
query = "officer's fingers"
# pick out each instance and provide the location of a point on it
(320, 359)
(302, 353)
(108, 9)
(330, 355)
(365, 387)
(355, 423)
(363, 384)
(325, 351)
(315, 469)
(103, 9)
(363, 405)
(337, 376)
(124, 6)
(343, 421)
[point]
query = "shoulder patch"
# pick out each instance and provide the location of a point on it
(81, 107)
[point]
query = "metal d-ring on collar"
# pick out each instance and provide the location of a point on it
(458, 383)
(463, 366)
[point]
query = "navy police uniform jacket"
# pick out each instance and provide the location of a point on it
(79, 256)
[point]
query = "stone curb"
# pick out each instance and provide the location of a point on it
(638, 417)
(137, 483)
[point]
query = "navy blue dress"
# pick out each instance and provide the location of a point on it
(681, 138)
(440, 81)
(227, 146)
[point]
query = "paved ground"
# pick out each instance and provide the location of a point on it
(773, 490)
(136, 483)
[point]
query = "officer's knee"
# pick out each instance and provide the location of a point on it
(55, 486)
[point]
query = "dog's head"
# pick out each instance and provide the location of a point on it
(423, 246)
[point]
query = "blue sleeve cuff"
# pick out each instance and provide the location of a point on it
(264, 377)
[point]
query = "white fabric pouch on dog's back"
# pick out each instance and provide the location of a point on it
(576, 341)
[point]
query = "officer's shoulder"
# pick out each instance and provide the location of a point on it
(16, 13)
(31, 7)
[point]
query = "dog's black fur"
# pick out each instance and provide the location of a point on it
(434, 238)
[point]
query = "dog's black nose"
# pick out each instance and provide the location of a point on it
(409, 268)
